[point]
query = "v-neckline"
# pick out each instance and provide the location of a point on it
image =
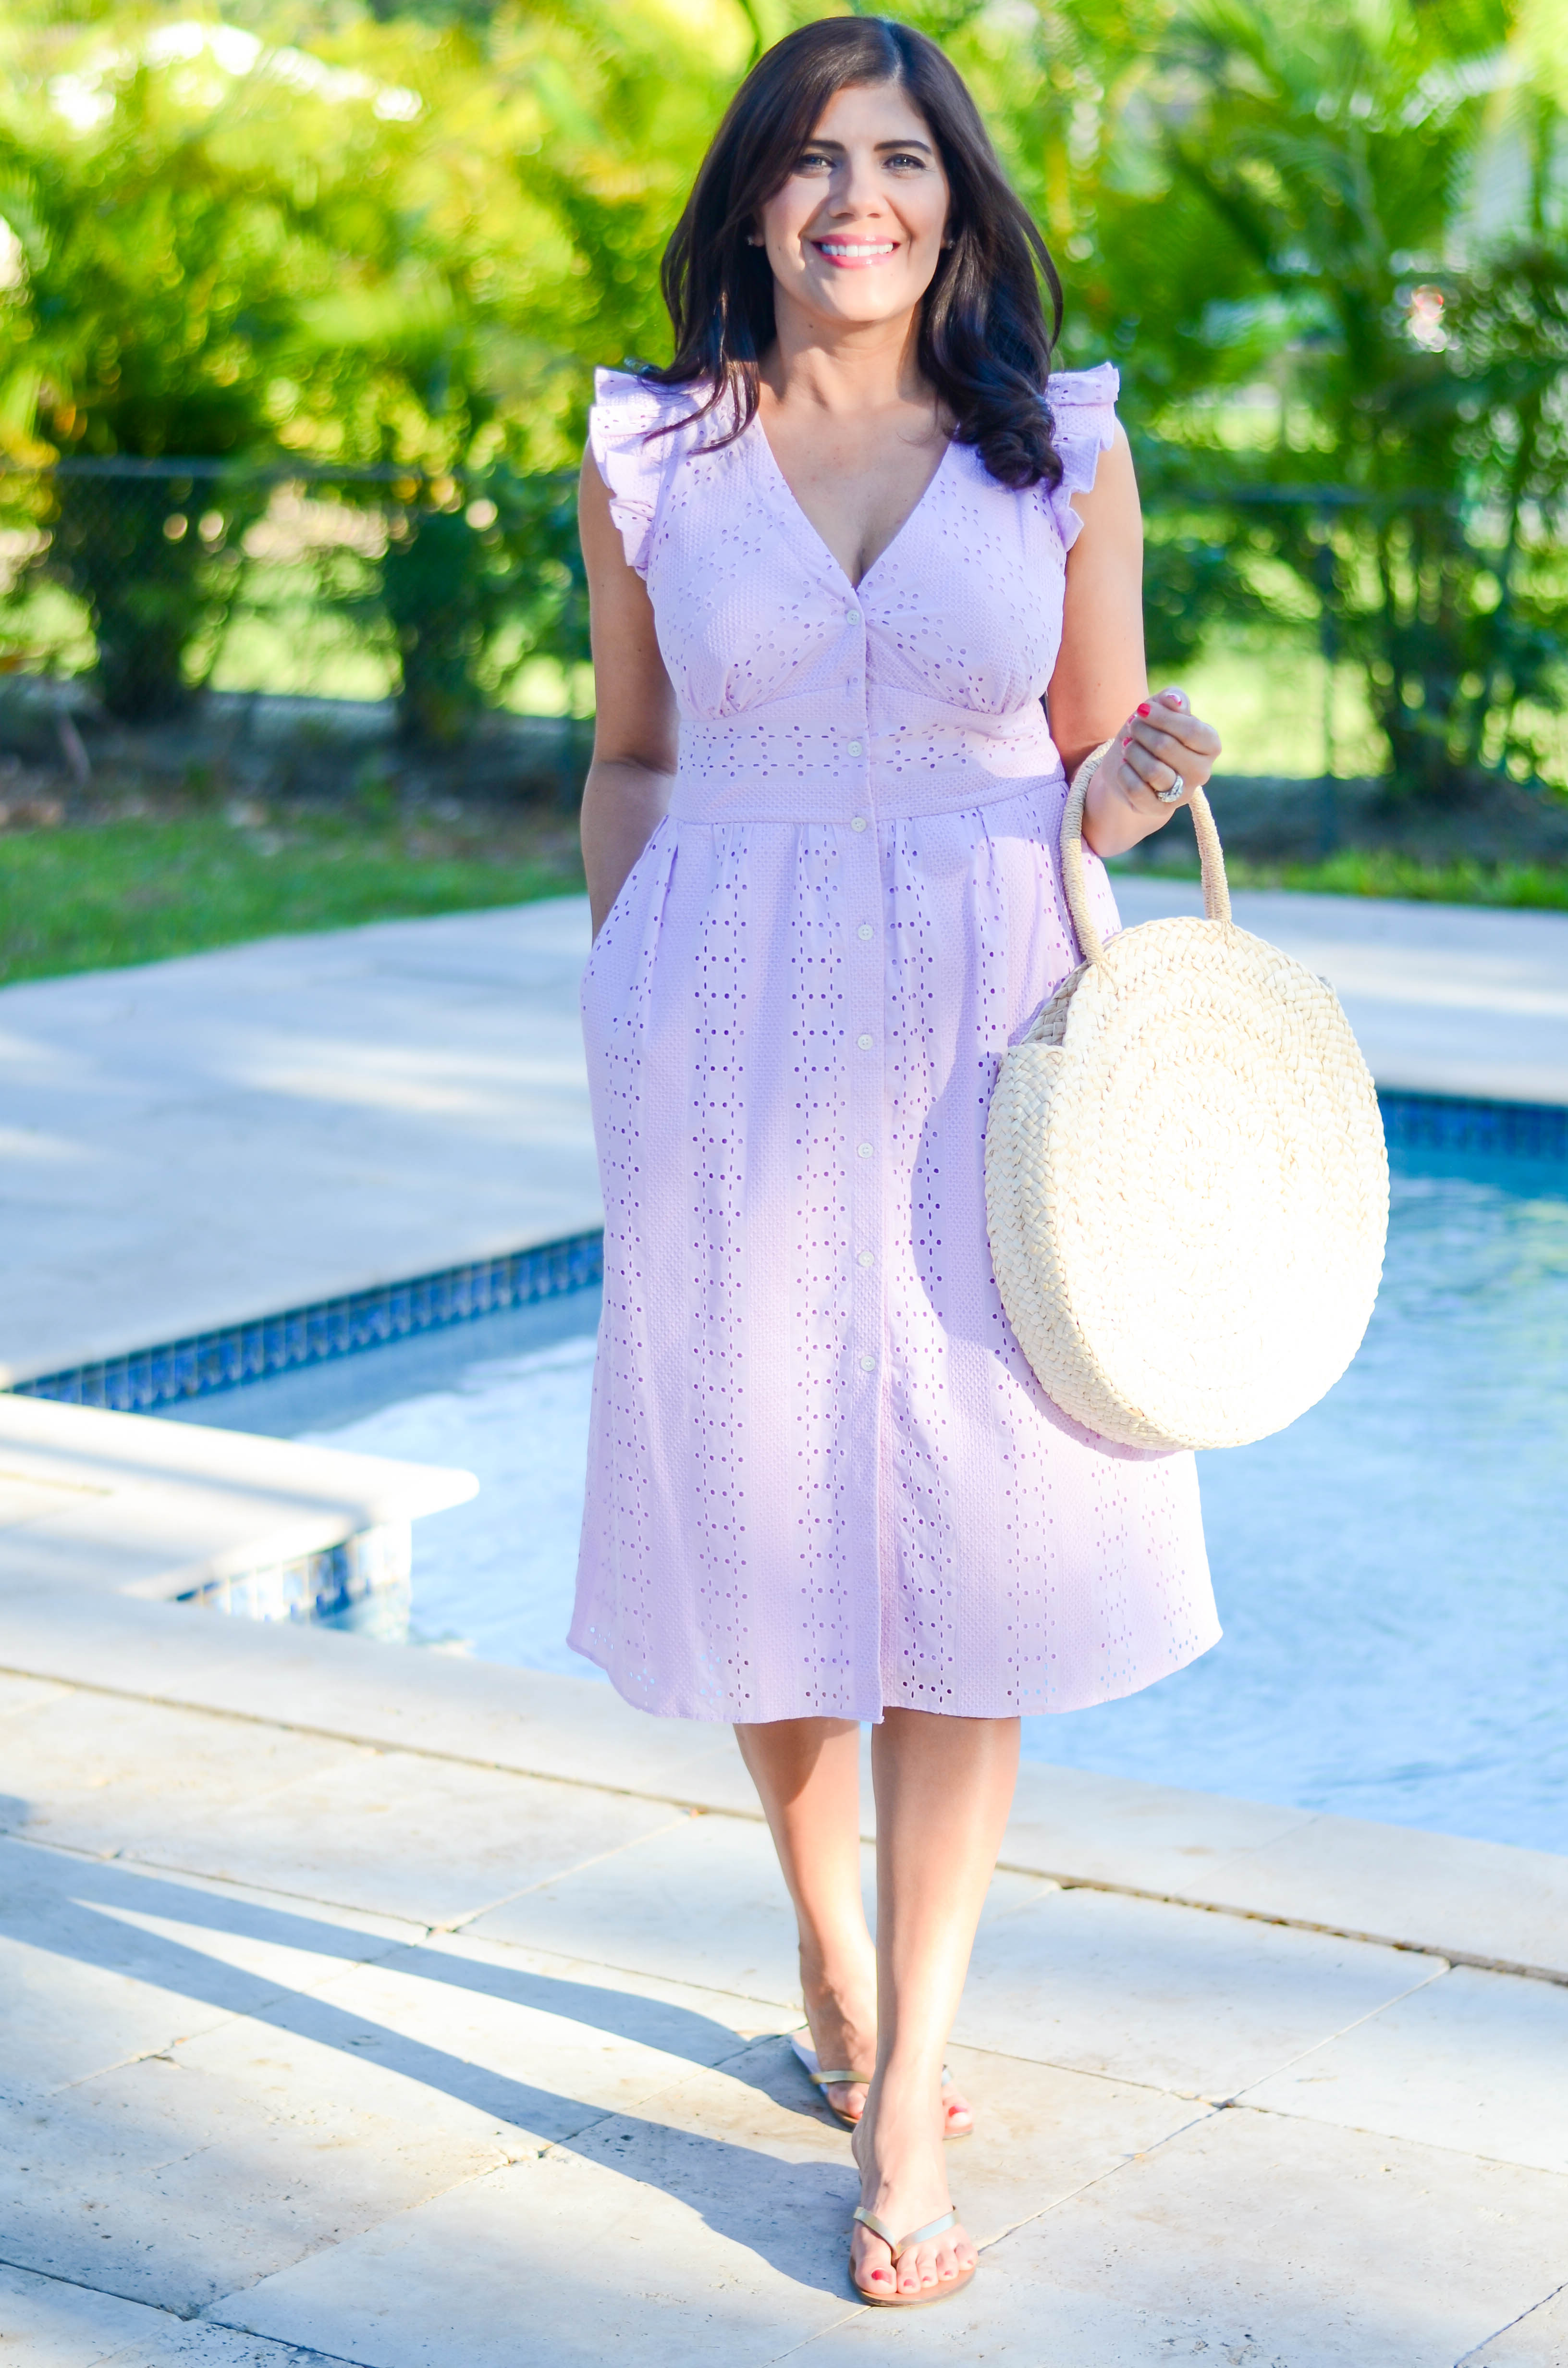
(792, 498)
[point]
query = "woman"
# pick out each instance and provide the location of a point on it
(827, 554)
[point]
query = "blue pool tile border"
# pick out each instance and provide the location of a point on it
(1500, 1130)
(178, 1370)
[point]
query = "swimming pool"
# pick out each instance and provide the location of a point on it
(1392, 1571)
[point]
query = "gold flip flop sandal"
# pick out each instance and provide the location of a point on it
(825, 2080)
(898, 2247)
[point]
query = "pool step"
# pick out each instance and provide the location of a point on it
(178, 1512)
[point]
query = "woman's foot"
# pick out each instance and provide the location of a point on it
(843, 2034)
(903, 2180)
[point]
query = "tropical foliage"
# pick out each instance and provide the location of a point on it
(1325, 240)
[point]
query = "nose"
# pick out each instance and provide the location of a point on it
(856, 188)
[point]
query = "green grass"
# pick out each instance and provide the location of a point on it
(142, 887)
(139, 889)
(1381, 872)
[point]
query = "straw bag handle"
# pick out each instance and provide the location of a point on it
(1216, 889)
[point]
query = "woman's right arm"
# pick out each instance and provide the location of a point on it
(634, 721)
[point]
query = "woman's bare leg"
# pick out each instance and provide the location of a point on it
(807, 1773)
(944, 1787)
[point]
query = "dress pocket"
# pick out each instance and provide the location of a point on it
(614, 958)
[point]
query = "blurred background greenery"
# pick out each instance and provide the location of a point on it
(300, 304)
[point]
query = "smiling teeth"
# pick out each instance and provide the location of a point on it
(837, 246)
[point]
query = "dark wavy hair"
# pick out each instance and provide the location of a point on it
(985, 345)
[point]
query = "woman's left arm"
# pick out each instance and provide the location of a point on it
(1100, 691)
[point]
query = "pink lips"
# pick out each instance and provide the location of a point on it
(856, 262)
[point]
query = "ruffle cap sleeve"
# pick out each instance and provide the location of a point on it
(625, 408)
(1082, 423)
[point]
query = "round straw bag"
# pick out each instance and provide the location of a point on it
(1186, 1183)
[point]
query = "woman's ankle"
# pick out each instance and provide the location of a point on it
(842, 1991)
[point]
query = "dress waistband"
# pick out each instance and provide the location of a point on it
(750, 771)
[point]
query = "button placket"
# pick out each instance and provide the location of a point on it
(864, 913)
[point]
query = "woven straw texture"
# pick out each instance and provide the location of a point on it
(1186, 1188)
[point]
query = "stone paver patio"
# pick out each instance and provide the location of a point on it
(369, 2006)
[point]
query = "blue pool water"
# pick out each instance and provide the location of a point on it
(1392, 1571)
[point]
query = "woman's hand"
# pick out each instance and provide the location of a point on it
(1161, 744)
(635, 737)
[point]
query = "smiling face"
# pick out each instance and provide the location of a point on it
(854, 235)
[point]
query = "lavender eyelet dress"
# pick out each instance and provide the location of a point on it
(823, 1479)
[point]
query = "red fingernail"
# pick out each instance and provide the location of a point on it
(1143, 708)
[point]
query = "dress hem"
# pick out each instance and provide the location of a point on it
(707, 1716)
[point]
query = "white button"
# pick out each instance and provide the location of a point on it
(866, 1258)
(865, 1042)
(853, 616)
(864, 1151)
(858, 822)
(868, 1364)
(867, 930)
(855, 749)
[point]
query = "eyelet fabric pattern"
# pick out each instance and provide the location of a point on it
(823, 1479)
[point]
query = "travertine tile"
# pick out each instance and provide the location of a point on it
(685, 2020)
(536, 2044)
(310, 1680)
(390, 1832)
(19, 1695)
(1431, 1891)
(228, 2155)
(1068, 1821)
(322, 2105)
(1041, 2134)
(1185, 2000)
(104, 1961)
(45, 2323)
(573, 2263)
(417, 1838)
(1538, 2339)
(703, 1902)
(1259, 2241)
(92, 1772)
(1476, 2061)
(711, 2226)
(213, 1123)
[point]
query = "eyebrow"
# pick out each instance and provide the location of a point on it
(924, 145)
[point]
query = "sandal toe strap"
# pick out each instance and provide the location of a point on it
(806, 2057)
(898, 2245)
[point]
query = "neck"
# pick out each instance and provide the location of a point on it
(839, 367)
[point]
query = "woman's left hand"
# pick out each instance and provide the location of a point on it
(1161, 745)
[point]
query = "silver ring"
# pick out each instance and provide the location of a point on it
(1168, 797)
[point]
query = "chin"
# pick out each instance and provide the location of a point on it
(861, 304)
